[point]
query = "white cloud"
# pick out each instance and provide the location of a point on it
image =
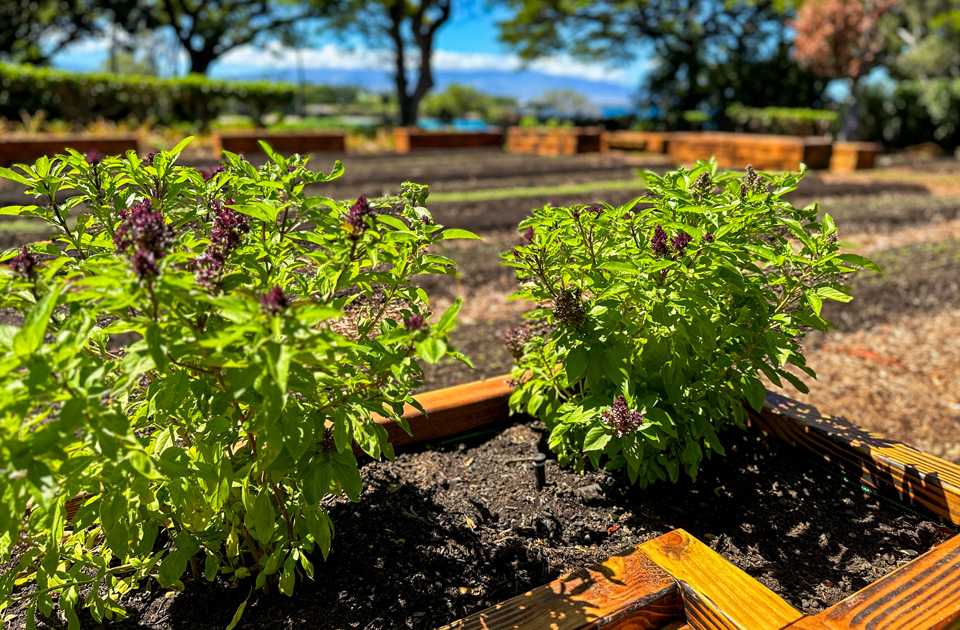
(333, 56)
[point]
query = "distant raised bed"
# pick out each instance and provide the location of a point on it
(27, 150)
(285, 143)
(853, 156)
(553, 141)
(649, 141)
(408, 139)
(736, 150)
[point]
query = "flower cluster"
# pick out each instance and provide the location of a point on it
(146, 232)
(229, 226)
(526, 237)
(357, 218)
(94, 157)
(415, 322)
(702, 186)
(658, 243)
(709, 237)
(679, 242)
(228, 229)
(568, 308)
(208, 172)
(515, 338)
(274, 301)
(621, 418)
(24, 263)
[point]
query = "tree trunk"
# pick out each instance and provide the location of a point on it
(851, 120)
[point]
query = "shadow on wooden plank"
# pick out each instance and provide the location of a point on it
(922, 595)
(625, 592)
(716, 594)
(917, 477)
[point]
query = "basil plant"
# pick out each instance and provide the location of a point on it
(655, 320)
(202, 354)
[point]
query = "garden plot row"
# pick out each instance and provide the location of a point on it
(676, 579)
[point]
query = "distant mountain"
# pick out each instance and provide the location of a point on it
(522, 84)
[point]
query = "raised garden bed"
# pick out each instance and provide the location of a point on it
(408, 139)
(302, 142)
(553, 141)
(648, 141)
(736, 150)
(853, 156)
(27, 150)
(421, 547)
(675, 579)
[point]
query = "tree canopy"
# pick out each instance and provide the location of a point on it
(32, 31)
(408, 26)
(708, 53)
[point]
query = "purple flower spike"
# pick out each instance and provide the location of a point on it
(621, 418)
(658, 244)
(94, 157)
(526, 237)
(208, 172)
(274, 301)
(144, 231)
(24, 263)
(414, 322)
(145, 263)
(680, 241)
(709, 237)
(358, 213)
(228, 225)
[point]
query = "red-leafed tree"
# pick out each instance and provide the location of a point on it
(840, 39)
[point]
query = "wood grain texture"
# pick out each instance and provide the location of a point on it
(450, 411)
(716, 594)
(922, 595)
(625, 592)
(917, 477)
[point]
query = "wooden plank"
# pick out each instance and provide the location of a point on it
(450, 411)
(625, 592)
(716, 594)
(917, 477)
(922, 595)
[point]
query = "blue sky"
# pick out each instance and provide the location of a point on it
(467, 44)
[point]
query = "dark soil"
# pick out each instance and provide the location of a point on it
(446, 531)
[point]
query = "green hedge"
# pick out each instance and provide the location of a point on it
(83, 98)
(793, 121)
(911, 112)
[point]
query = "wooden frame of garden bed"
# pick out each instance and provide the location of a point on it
(676, 582)
(765, 152)
(407, 139)
(26, 150)
(286, 143)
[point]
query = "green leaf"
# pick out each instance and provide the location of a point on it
(264, 518)
(830, 293)
(6, 173)
(754, 391)
(30, 337)
(576, 364)
(431, 349)
(236, 616)
(597, 438)
(458, 233)
(815, 303)
(860, 261)
(210, 567)
(447, 320)
(345, 471)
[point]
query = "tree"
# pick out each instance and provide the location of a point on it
(405, 24)
(207, 30)
(923, 37)
(708, 53)
(841, 39)
(32, 31)
(564, 104)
